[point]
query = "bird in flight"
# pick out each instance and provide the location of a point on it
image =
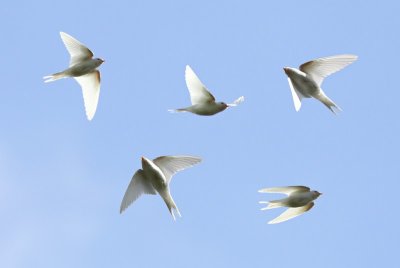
(306, 81)
(154, 177)
(203, 102)
(82, 67)
(298, 201)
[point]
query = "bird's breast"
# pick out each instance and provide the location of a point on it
(82, 68)
(305, 84)
(207, 108)
(154, 174)
(299, 200)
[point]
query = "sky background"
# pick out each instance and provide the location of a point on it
(62, 178)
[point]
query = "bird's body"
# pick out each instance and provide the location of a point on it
(306, 81)
(83, 67)
(300, 199)
(208, 108)
(203, 102)
(154, 177)
(79, 69)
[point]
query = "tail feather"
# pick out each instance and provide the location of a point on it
(53, 77)
(177, 110)
(329, 103)
(171, 205)
(271, 204)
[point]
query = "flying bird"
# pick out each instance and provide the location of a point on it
(300, 199)
(82, 67)
(306, 81)
(155, 177)
(203, 102)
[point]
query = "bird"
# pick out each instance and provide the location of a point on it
(300, 200)
(154, 177)
(306, 81)
(203, 102)
(82, 67)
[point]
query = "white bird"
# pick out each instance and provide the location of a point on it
(155, 177)
(82, 67)
(203, 102)
(300, 199)
(306, 82)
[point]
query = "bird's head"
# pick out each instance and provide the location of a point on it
(288, 70)
(145, 162)
(99, 60)
(316, 193)
(223, 104)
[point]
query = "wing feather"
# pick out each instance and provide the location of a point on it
(198, 92)
(138, 186)
(169, 165)
(76, 49)
(90, 84)
(323, 67)
(297, 96)
(290, 213)
(285, 190)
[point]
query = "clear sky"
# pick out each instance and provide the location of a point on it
(62, 178)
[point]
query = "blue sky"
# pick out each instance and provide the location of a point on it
(62, 178)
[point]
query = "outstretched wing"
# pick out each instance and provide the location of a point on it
(297, 96)
(285, 190)
(169, 165)
(236, 102)
(76, 49)
(290, 213)
(198, 92)
(90, 84)
(323, 67)
(138, 186)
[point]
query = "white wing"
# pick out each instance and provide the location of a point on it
(290, 213)
(285, 190)
(138, 186)
(198, 92)
(169, 165)
(236, 102)
(297, 96)
(323, 67)
(76, 49)
(90, 84)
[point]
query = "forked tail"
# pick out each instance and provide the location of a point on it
(271, 204)
(53, 77)
(171, 205)
(329, 103)
(177, 110)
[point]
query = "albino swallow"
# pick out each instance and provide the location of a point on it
(300, 199)
(203, 102)
(154, 177)
(306, 82)
(82, 67)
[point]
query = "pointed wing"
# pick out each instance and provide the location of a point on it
(236, 102)
(90, 84)
(169, 165)
(76, 49)
(138, 186)
(297, 96)
(323, 67)
(285, 190)
(198, 92)
(290, 213)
